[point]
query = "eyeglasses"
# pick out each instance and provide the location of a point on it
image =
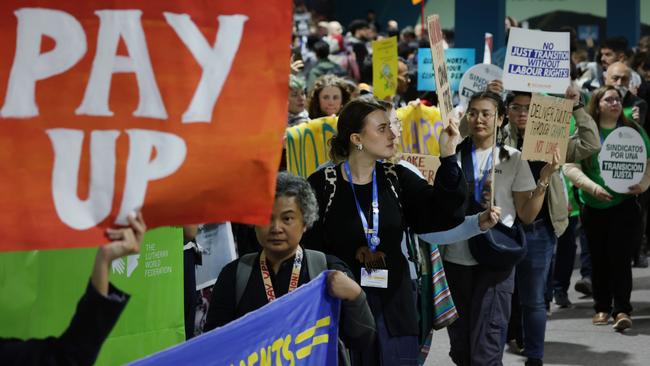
(612, 100)
(519, 108)
(484, 114)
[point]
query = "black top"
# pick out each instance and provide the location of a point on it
(80, 343)
(354, 314)
(536, 168)
(425, 208)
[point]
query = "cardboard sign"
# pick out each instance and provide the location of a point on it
(458, 60)
(548, 124)
(421, 128)
(622, 159)
(439, 65)
(105, 110)
(384, 67)
(475, 80)
(427, 165)
(537, 61)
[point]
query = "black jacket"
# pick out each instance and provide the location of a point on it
(80, 343)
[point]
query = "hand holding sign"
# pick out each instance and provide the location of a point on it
(601, 194)
(449, 138)
(488, 218)
(550, 168)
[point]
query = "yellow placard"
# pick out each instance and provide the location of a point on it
(421, 127)
(307, 146)
(384, 67)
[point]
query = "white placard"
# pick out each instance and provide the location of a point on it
(622, 159)
(538, 62)
(476, 79)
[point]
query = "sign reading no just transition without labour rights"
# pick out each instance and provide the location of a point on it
(622, 159)
(537, 61)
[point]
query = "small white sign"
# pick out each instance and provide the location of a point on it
(476, 79)
(622, 159)
(376, 278)
(537, 62)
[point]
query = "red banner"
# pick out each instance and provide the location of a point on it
(175, 107)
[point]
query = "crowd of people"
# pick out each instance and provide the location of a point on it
(359, 214)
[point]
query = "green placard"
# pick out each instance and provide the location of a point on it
(40, 291)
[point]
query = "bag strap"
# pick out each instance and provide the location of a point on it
(244, 269)
(316, 263)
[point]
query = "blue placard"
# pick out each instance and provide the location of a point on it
(458, 61)
(299, 328)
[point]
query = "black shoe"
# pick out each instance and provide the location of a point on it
(584, 286)
(534, 362)
(641, 262)
(562, 300)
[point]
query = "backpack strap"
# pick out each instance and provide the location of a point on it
(244, 269)
(330, 179)
(316, 263)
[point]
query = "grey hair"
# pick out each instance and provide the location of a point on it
(289, 185)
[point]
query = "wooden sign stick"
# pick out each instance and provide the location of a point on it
(494, 159)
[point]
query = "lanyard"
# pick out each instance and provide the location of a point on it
(600, 132)
(372, 235)
(266, 275)
(480, 183)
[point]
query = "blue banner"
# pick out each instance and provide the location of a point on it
(299, 328)
(458, 61)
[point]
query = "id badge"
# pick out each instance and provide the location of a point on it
(377, 278)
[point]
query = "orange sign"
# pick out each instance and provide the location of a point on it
(109, 106)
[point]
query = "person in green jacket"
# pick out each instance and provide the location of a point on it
(611, 220)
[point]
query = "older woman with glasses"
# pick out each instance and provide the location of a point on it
(611, 220)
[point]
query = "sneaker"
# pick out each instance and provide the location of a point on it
(534, 362)
(584, 286)
(562, 300)
(515, 347)
(622, 322)
(600, 319)
(548, 310)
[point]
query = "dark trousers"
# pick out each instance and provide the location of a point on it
(482, 297)
(565, 256)
(612, 234)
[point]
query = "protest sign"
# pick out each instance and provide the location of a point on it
(458, 60)
(549, 119)
(300, 328)
(307, 145)
(442, 80)
(475, 80)
(426, 164)
(106, 110)
(421, 128)
(384, 67)
(41, 293)
(217, 247)
(537, 61)
(622, 159)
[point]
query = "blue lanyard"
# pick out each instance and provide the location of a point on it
(372, 235)
(480, 183)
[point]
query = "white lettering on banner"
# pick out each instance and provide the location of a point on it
(113, 25)
(140, 169)
(215, 61)
(30, 65)
(67, 145)
(80, 215)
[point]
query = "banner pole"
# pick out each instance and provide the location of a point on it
(494, 159)
(422, 7)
